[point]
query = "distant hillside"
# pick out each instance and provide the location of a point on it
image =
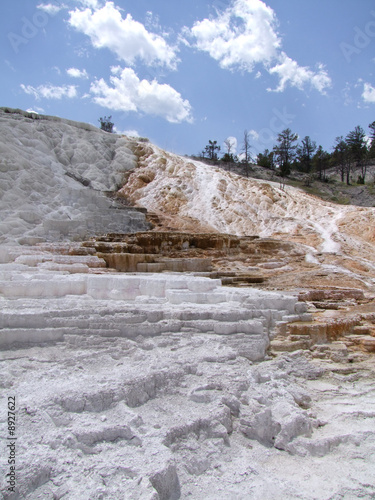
(332, 190)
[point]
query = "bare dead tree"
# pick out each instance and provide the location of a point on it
(246, 147)
(229, 145)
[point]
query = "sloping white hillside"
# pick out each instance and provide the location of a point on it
(197, 196)
(53, 174)
(55, 171)
(232, 204)
(159, 386)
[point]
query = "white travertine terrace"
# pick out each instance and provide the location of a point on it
(144, 386)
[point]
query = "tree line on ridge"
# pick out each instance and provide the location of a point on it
(351, 154)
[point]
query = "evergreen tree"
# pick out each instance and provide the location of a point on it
(211, 150)
(356, 141)
(266, 159)
(341, 159)
(305, 154)
(229, 158)
(285, 151)
(372, 139)
(320, 162)
(106, 124)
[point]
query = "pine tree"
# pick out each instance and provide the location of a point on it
(320, 162)
(285, 151)
(356, 141)
(266, 159)
(341, 159)
(211, 149)
(106, 124)
(305, 154)
(372, 139)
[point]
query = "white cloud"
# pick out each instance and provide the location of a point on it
(368, 93)
(254, 135)
(152, 21)
(116, 70)
(50, 91)
(297, 76)
(50, 8)
(129, 93)
(36, 110)
(245, 35)
(9, 64)
(93, 4)
(127, 38)
(77, 73)
(129, 133)
(241, 36)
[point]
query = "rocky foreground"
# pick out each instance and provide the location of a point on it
(227, 354)
(152, 386)
(183, 416)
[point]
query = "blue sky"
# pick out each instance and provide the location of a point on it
(181, 73)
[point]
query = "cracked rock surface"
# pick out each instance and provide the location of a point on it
(182, 415)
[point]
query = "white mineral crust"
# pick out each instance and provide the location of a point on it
(158, 386)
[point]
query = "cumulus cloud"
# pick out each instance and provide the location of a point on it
(254, 135)
(241, 36)
(77, 73)
(50, 8)
(128, 93)
(245, 35)
(93, 4)
(298, 76)
(128, 133)
(35, 110)
(50, 91)
(127, 38)
(368, 93)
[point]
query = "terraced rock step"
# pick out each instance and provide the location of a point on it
(364, 343)
(162, 251)
(238, 261)
(244, 279)
(42, 305)
(331, 294)
(163, 242)
(355, 332)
